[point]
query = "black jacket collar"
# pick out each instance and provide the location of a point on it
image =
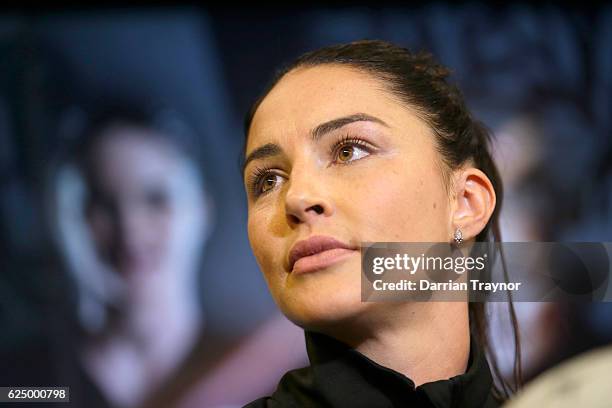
(342, 377)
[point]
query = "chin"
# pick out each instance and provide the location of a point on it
(323, 299)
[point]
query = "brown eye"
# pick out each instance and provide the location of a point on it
(346, 153)
(350, 150)
(263, 181)
(268, 183)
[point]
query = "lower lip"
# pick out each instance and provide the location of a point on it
(321, 260)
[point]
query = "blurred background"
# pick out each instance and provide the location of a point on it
(125, 270)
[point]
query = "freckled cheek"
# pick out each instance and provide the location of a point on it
(392, 206)
(265, 248)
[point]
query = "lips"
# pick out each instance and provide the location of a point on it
(317, 252)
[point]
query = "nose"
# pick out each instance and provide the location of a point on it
(306, 201)
(130, 230)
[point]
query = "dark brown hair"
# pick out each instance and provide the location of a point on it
(421, 82)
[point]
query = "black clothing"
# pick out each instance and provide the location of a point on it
(339, 376)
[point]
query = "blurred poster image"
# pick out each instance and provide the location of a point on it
(133, 215)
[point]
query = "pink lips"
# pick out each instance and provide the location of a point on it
(317, 252)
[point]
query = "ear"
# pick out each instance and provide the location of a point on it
(474, 202)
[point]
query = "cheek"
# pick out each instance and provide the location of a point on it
(160, 228)
(258, 239)
(102, 228)
(268, 246)
(402, 204)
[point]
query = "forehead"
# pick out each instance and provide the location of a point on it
(307, 97)
(129, 155)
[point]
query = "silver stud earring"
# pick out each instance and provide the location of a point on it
(458, 236)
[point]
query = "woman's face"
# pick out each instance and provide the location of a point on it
(332, 154)
(132, 213)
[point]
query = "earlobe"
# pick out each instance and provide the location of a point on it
(474, 202)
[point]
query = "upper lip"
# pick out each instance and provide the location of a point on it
(314, 245)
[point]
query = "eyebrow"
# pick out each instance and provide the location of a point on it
(267, 150)
(271, 149)
(336, 124)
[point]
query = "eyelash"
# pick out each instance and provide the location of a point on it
(345, 141)
(260, 172)
(256, 178)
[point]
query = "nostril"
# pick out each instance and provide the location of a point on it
(317, 208)
(293, 219)
(299, 211)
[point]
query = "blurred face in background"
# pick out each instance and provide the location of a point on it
(138, 186)
(133, 218)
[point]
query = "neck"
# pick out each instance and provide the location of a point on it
(424, 341)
